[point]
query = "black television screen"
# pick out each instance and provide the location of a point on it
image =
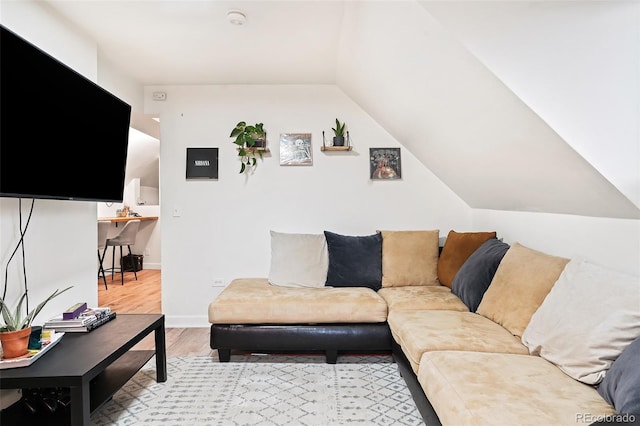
(61, 135)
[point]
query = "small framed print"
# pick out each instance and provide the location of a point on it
(384, 163)
(202, 163)
(295, 149)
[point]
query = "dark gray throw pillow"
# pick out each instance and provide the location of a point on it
(354, 261)
(621, 385)
(474, 276)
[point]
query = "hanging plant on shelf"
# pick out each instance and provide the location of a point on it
(251, 142)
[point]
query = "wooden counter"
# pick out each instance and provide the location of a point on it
(117, 220)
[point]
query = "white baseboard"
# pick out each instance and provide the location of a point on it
(186, 321)
(156, 266)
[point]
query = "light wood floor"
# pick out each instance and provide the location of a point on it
(144, 297)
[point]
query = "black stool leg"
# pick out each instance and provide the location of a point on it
(101, 270)
(121, 267)
(133, 265)
(113, 262)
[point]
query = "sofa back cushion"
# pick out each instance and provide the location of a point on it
(298, 260)
(410, 258)
(475, 275)
(590, 315)
(522, 281)
(354, 261)
(457, 249)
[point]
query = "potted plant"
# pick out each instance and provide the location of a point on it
(251, 141)
(14, 334)
(338, 131)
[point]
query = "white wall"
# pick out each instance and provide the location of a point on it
(614, 243)
(575, 63)
(418, 81)
(113, 80)
(222, 231)
(61, 240)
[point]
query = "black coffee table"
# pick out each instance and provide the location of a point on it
(92, 365)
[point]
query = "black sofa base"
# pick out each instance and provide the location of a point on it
(328, 338)
(422, 403)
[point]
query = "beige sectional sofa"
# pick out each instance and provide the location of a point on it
(483, 332)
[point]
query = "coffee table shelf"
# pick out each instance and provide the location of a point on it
(116, 375)
(92, 365)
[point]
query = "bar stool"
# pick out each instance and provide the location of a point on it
(103, 231)
(126, 237)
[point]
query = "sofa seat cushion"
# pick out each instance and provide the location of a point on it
(466, 387)
(422, 297)
(418, 332)
(255, 301)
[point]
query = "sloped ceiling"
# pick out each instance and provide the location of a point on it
(415, 67)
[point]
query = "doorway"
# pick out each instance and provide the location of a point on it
(142, 197)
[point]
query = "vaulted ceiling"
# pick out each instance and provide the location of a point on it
(485, 94)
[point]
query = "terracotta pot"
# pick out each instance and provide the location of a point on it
(14, 343)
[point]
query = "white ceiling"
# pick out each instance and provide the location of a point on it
(191, 42)
(363, 47)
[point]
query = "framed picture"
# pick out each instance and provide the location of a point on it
(202, 163)
(295, 149)
(384, 163)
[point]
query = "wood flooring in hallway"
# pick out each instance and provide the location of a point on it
(144, 297)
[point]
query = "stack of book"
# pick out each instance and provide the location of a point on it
(85, 321)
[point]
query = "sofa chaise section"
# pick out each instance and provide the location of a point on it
(251, 314)
(479, 388)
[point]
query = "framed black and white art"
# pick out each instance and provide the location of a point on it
(295, 149)
(202, 163)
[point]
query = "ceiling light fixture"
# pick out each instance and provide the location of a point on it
(235, 17)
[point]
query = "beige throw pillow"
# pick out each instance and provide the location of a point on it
(522, 281)
(410, 258)
(588, 318)
(298, 260)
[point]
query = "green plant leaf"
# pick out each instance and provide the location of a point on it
(31, 316)
(242, 167)
(15, 321)
(238, 129)
(339, 129)
(7, 317)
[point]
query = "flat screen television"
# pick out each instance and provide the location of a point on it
(61, 135)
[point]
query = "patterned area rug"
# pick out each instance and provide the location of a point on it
(202, 391)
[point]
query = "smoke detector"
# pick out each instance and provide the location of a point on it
(235, 17)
